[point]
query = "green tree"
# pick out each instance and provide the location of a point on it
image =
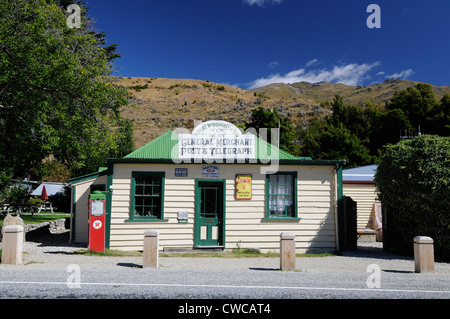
(441, 116)
(271, 119)
(342, 135)
(5, 182)
(368, 128)
(56, 93)
(385, 128)
(417, 103)
(126, 140)
(336, 142)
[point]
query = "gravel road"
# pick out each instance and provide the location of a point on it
(48, 268)
(52, 251)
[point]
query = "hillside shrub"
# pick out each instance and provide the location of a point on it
(413, 182)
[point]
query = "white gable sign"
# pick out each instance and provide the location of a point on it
(216, 140)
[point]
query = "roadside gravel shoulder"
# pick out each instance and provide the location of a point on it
(53, 252)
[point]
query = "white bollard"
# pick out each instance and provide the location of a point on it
(12, 245)
(423, 254)
(151, 249)
(287, 251)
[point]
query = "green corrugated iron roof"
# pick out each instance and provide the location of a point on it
(159, 148)
(163, 146)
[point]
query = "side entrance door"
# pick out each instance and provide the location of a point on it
(209, 214)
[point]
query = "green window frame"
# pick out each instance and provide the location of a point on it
(281, 196)
(147, 196)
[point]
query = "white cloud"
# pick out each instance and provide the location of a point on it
(311, 62)
(261, 3)
(402, 75)
(273, 64)
(350, 74)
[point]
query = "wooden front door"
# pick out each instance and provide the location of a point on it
(209, 213)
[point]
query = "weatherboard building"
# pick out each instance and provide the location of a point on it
(214, 187)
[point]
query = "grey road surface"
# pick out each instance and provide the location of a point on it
(367, 273)
(52, 270)
(216, 287)
(137, 283)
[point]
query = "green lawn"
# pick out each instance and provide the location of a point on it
(39, 217)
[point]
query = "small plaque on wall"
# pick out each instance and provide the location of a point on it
(181, 172)
(182, 217)
(210, 171)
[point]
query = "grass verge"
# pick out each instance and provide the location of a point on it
(235, 253)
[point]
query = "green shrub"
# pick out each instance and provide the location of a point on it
(413, 182)
(138, 87)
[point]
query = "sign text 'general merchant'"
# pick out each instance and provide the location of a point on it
(216, 147)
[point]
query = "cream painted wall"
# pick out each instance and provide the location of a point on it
(245, 227)
(365, 195)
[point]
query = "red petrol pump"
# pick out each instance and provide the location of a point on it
(97, 210)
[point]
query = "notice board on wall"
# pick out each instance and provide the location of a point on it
(243, 186)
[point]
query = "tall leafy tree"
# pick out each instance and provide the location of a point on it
(359, 134)
(271, 119)
(342, 135)
(417, 103)
(441, 116)
(56, 93)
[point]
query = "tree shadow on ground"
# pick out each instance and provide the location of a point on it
(375, 251)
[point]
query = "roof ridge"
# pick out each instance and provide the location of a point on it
(161, 148)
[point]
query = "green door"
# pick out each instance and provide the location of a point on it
(209, 213)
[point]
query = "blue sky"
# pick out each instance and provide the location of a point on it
(250, 43)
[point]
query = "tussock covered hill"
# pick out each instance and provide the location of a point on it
(379, 93)
(160, 104)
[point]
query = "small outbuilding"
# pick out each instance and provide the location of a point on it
(359, 184)
(215, 187)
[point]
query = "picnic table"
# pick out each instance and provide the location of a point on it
(45, 206)
(5, 209)
(26, 208)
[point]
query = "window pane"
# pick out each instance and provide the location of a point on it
(156, 190)
(281, 195)
(148, 179)
(281, 183)
(138, 210)
(139, 179)
(290, 211)
(147, 190)
(272, 184)
(147, 199)
(272, 204)
(288, 184)
(289, 200)
(139, 190)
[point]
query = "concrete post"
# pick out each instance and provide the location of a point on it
(12, 245)
(287, 251)
(151, 248)
(423, 254)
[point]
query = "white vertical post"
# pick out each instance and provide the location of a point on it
(151, 248)
(12, 245)
(287, 251)
(423, 254)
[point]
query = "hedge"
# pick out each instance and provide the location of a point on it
(413, 182)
